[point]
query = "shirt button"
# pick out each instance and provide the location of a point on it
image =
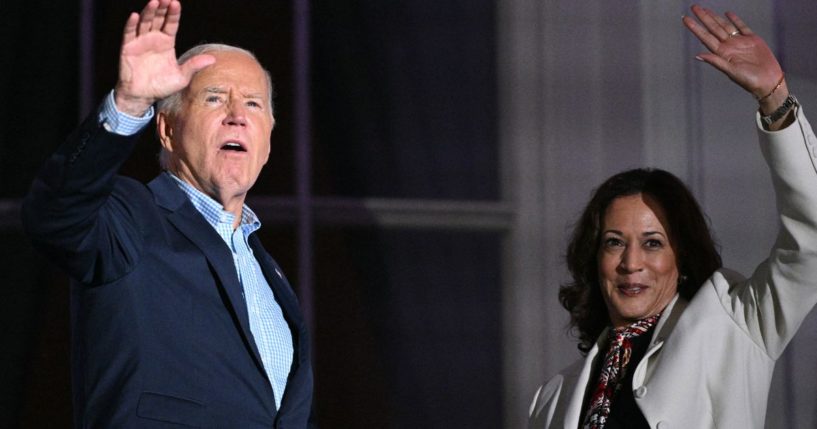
(662, 425)
(640, 392)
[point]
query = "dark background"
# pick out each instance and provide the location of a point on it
(407, 321)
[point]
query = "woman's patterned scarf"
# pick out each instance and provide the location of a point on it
(615, 366)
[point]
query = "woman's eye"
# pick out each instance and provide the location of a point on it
(613, 242)
(654, 244)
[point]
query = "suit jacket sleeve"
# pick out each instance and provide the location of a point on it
(71, 212)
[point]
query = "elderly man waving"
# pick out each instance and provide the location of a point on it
(179, 315)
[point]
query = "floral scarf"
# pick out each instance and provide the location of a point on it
(615, 367)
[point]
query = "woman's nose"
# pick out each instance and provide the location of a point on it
(632, 260)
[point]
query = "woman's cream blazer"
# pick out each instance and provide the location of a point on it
(710, 361)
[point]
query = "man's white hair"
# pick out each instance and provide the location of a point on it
(172, 104)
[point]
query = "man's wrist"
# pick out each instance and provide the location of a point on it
(122, 123)
(133, 106)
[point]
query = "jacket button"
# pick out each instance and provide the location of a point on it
(640, 392)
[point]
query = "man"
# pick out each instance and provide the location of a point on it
(179, 316)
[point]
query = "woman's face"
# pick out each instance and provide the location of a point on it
(638, 272)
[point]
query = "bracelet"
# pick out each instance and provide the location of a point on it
(781, 111)
(779, 83)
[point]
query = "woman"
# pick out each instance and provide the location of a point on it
(671, 339)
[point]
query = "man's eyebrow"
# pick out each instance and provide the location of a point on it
(214, 90)
(219, 90)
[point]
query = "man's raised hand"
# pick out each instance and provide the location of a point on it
(148, 69)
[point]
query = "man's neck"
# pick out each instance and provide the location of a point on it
(230, 202)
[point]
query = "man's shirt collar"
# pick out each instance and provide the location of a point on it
(214, 212)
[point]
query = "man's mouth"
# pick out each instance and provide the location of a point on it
(233, 146)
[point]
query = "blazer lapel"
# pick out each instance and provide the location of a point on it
(184, 216)
(665, 326)
(668, 321)
(280, 286)
(573, 413)
(300, 372)
(283, 295)
(662, 330)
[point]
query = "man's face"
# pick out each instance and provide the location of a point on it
(220, 139)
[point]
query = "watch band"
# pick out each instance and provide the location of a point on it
(781, 111)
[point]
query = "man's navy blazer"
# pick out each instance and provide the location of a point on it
(160, 332)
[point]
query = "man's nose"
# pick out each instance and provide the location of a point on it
(236, 114)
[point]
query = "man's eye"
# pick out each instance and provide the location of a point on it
(252, 103)
(212, 99)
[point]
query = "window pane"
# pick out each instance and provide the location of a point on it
(39, 80)
(404, 99)
(408, 324)
(34, 304)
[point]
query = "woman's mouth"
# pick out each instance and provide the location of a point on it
(631, 289)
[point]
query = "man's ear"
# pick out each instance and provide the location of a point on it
(164, 129)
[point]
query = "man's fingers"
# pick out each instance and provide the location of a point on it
(194, 64)
(174, 13)
(146, 17)
(159, 16)
(130, 28)
(742, 27)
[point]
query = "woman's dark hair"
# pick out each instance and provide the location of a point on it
(696, 252)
